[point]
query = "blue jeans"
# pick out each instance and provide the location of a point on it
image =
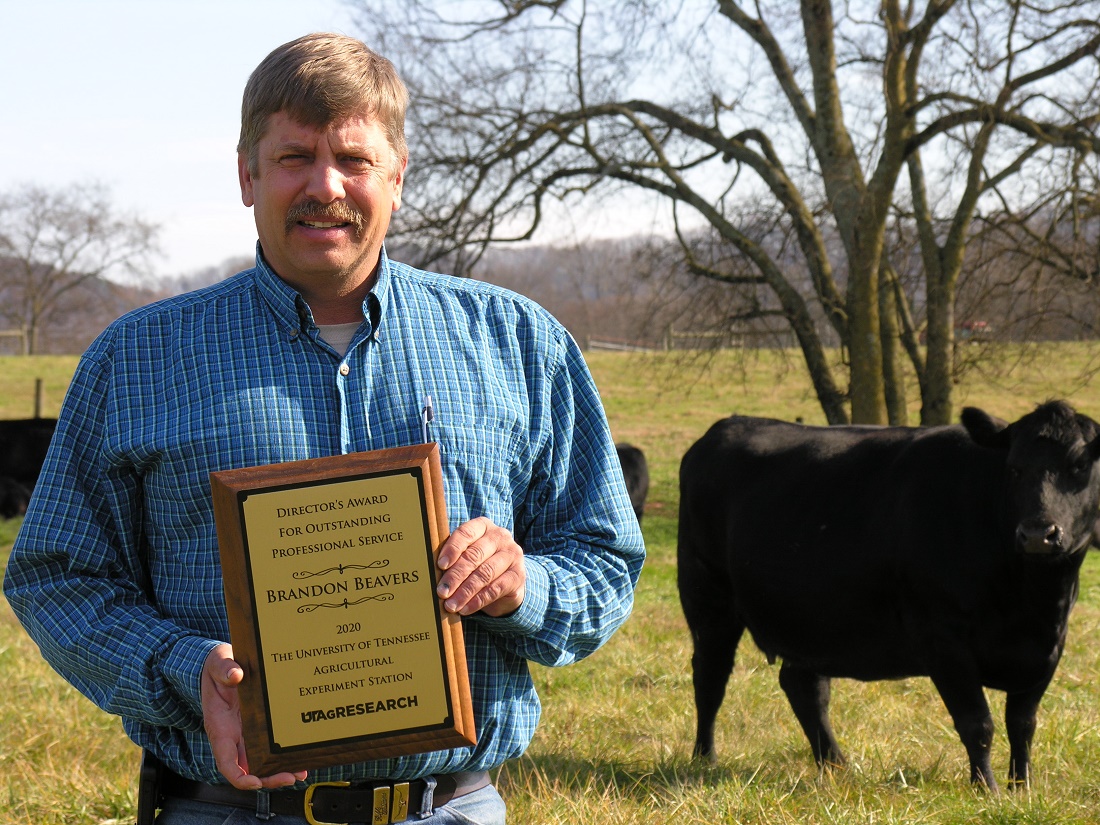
(482, 807)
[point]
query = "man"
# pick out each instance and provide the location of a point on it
(325, 347)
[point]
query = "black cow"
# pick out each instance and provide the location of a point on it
(889, 552)
(636, 475)
(23, 445)
(14, 498)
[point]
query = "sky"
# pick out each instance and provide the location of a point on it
(143, 97)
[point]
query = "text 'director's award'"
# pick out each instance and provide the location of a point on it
(329, 573)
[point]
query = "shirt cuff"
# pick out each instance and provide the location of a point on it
(182, 668)
(531, 614)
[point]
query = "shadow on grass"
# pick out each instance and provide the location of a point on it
(564, 775)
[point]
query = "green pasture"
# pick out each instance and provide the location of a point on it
(615, 740)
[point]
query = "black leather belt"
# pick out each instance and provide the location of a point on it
(325, 803)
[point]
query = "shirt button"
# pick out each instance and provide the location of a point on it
(344, 369)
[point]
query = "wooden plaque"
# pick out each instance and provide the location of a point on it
(329, 569)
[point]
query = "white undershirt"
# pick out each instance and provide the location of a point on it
(338, 335)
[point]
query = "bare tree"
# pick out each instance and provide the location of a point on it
(833, 111)
(54, 241)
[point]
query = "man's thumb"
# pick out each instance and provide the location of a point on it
(223, 668)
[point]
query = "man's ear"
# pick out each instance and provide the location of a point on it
(245, 177)
(399, 181)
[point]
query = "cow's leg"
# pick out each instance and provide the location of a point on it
(711, 664)
(808, 693)
(715, 634)
(969, 710)
(1020, 710)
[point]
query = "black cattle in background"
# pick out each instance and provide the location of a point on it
(14, 497)
(23, 446)
(636, 475)
(889, 552)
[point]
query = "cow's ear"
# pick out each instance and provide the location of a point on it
(1090, 429)
(985, 429)
(1094, 448)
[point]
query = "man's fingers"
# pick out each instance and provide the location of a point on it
(456, 544)
(222, 721)
(221, 714)
(475, 561)
(232, 764)
(485, 583)
(483, 570)
(505, 588)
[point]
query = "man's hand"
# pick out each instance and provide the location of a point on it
(483, 570)
(221, 716)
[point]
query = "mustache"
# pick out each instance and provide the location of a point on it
(335, 212)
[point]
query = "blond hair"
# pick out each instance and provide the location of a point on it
(321, 79)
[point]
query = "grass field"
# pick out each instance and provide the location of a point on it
(615, 741)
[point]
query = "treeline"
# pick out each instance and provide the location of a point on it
(637, 292)
(83, 311)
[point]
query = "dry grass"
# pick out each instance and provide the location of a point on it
(62, 760)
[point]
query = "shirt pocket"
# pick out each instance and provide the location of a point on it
(482, 470)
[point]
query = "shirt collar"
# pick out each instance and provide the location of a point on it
(290, 309)
(379, 297)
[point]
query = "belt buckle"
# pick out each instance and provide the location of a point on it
(391, 802)
(308, 805)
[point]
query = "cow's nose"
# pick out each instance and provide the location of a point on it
(1043, 538)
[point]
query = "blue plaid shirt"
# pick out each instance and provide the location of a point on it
(116, 572)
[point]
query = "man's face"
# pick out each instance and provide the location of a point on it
(322, 200)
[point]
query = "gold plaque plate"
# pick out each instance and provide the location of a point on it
(329, 569)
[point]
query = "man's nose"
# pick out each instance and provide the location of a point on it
(326, 183)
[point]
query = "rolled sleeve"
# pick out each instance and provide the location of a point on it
(182, 668)
(529, 618)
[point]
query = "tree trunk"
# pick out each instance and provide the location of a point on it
(893, 373)
(828, 394)
(938, 403)
(861, 225)
(867, 391)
